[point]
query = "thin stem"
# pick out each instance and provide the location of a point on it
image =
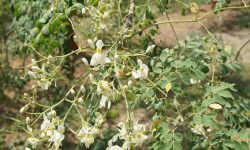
(172, 27)
(241, 48)
(189, 20)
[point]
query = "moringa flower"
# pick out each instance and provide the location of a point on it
(114, 148)
(142, 72)
(87, 134)
(57, 138)
(99, 58)
(103, 87)
(105, 100)
(136, 136)
(33, 142)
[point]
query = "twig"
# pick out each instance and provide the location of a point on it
(241, 48)
(189, 20)
(172, 27)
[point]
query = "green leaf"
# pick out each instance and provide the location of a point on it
(163, 56)
(197, 119)
(201, 109)
(226, 94)
(178, 137)
(149, 92)
(177, 146)
(157, 70)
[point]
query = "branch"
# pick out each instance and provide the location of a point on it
(189, 20)
(241, 48)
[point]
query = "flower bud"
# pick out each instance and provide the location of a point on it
(50, 58)
(75, 38)
(29, 129)
(116, 57)
(72, 91)
(31, 74)
(130, 83)
(27, 120)
(85, 61)
(33, 60)
(82, 88)
(24, 109)
(35, 68)
(53, 113)
(91, 43)
(83, 10)
(80, 100)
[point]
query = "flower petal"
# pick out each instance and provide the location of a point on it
(99, 44)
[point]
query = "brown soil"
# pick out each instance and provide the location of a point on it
(234, 36)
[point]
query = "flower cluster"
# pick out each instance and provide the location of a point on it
(102, 15)
(88, 132)
(133, 135)
(142, 72)
(104, 89)
(43, 78)
(51, 130)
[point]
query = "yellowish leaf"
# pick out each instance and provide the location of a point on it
(194, 8)
(168, 87)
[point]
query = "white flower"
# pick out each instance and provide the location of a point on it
(105, 100)
(103, 87)
(57, 138)
(215, 106)
(135, 136)
(46, 123)
(99, 59)
(91, 43)
(33, 142)
(87, 134)
(114, 148)
(85, 61)
(44, 83)
(142, 73)
(26, 148)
